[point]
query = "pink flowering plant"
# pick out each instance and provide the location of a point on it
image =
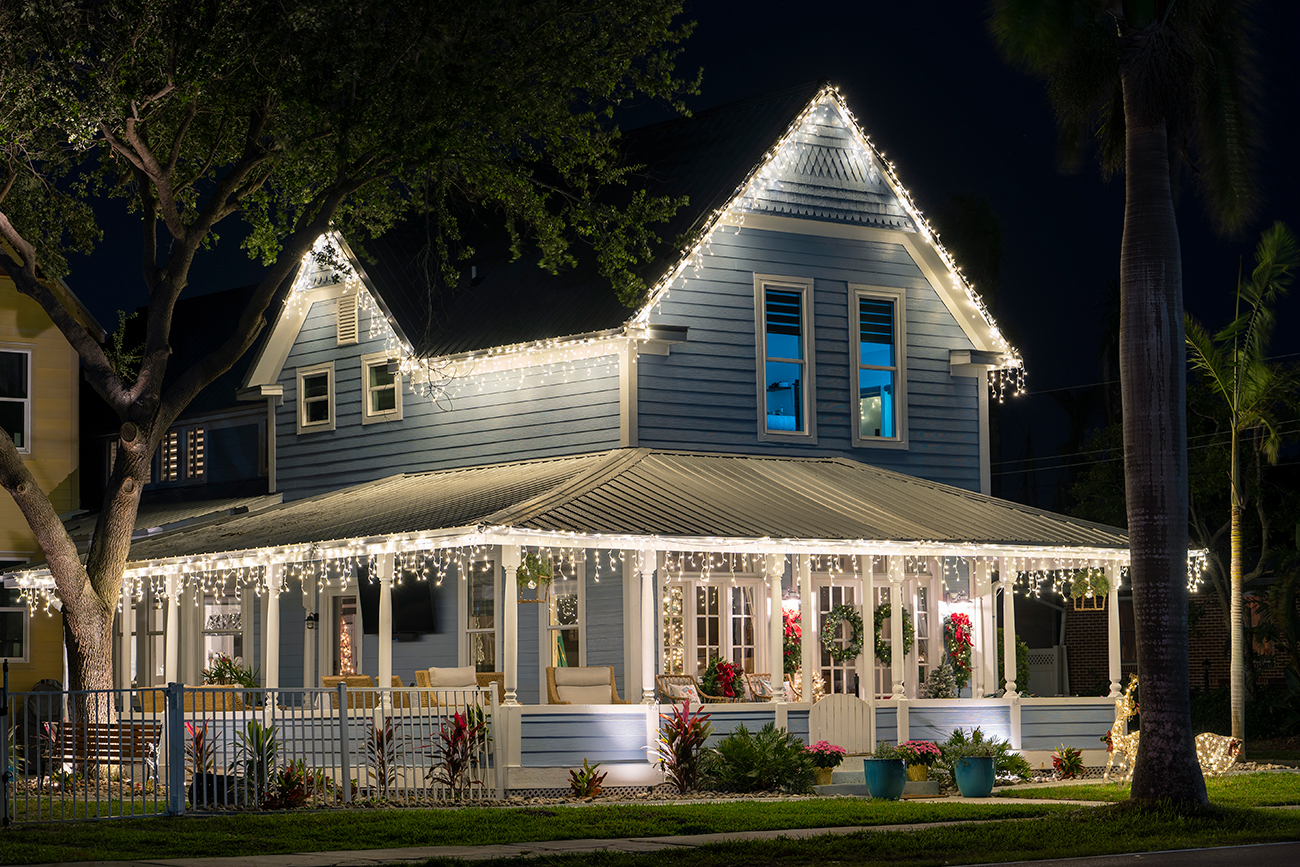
(825, 754)
(919, 752)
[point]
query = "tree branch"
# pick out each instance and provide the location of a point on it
(179, 138)
(60, 551)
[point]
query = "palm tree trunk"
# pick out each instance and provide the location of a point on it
(1153, 384)
(1236, 627)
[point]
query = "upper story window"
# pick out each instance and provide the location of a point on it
(382, 390)
(785, 352)
(316, 398)
(182, 457)
(876, 320)
(15, 397)
(15, 620)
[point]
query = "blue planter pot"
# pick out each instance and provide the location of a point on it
(885, 777)
(974, 776)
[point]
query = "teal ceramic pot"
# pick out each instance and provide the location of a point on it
(974, 776)
(885, 777)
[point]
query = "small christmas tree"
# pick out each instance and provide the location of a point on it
(941, 683)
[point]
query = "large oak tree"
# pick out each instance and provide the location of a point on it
(294, 117)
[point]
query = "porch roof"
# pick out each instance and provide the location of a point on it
(648, 498)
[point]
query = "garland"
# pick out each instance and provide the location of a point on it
(957, 645)
(841, 653)
(883, 652)
(792, 647)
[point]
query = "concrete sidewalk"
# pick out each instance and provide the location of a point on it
(419, 854)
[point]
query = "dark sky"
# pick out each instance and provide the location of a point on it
(927, 85)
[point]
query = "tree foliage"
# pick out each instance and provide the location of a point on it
(295, 118)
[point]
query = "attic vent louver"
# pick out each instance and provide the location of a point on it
(347, 319)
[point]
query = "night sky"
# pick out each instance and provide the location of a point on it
(926, 83)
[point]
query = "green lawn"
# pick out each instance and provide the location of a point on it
(1081, 832)
(268, 833)
(1245, 790)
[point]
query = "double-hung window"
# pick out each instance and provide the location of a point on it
(381, 390)
(786, 395)
(15, 397)
(316, 398)
(563, 633)
(15, 624)
(715, 612)
(880, 406)
(480, 616)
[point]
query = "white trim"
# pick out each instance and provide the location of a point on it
(985, 434)
(26, 614)
(268, 366)
(28, 402)
(898, 297)
(304, 426)
(803, 286)
(628, 376)
(369, 416)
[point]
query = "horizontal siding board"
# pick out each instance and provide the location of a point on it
(564, 740)
(796, 723)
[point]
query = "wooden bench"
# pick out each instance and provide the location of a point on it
(109, 743)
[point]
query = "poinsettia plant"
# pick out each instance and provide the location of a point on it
(792, 648)
(721, 678)
(957, 644)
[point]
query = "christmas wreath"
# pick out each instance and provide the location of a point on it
(848, 615)
(957, 645)
(883, 652)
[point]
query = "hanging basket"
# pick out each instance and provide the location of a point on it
(533, 577)
(1089, 603)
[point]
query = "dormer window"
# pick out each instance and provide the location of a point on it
(876, 320)
(382, 389)
(316, 398)
(785, 354)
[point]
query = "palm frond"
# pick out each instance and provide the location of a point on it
(1207, 357)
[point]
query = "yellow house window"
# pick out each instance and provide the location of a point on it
(15, 397)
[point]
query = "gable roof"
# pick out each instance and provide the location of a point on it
(798, 153)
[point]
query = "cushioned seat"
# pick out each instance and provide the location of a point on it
(463, 677)
(590, 685)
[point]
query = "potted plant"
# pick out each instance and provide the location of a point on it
(721, 681)
(972, 765)
(534, 573)
(919, 755)
(826, 757)
(885, 772)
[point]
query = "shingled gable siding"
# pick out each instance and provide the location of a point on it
(703, 395)
(520, 414)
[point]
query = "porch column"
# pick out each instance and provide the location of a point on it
(896, 573)
(510, 622)
(124, 639)
(1007, 580)
(172, 627)
(311, 592)
(384, 571)
(989, 613)
(1112, 631)
(978, 569)
(271, 637)
(773, 569)
(645, 570)
(810, 646)
(868, 677)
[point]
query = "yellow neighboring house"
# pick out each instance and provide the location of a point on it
(39, 383)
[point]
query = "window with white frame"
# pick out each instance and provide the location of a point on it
(316, 398)
(15, 397)
(786, 395)
(715, 612)
(480, 616)
(15, 622)
(381, 389)
(876, 323)
(564, 611)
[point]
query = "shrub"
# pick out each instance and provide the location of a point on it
(201, 749)
(383, 749)
(1068, 762)
(887, 750)
(456, 753)
(1007, 764)
(586, 783)
(681, 744)
(288, 789)
(769, 760)
(258, 753)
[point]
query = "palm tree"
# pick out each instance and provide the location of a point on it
(1235, 365)
(1151, 80)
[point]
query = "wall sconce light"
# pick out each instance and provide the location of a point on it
(312, 617)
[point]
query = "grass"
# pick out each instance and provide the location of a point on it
(269, 834)
(1243, 790)
(1080, 832)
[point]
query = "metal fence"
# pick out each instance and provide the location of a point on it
(106, 754)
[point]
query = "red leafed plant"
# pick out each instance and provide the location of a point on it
(456, 756)
(681, 744)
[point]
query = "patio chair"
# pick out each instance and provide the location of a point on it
(591, 685)
(358, 696)
(793, 688)
(672, 688)
(758, 687)
(464, 677)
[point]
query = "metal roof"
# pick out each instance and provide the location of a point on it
(649, 493)
(154, 517)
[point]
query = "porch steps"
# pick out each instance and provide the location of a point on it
(847, 779)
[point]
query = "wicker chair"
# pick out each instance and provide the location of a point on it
(208, 698)
(485, 679)
(793, 688)
(358, 696)
(758, 687)
(664, 681)
(552, 691)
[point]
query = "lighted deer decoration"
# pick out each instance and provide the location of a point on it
(1216, 753)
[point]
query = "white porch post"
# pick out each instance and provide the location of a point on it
(384, 571)
(896, 626)
(1007, 580)
(978, 570)
(309, 635)
(645, 570)
(172, 653)
(773, 569)
(989, 613)
(510, 622)
(1112, 631)
(810, 645)
(271, 637)
(124, 640)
